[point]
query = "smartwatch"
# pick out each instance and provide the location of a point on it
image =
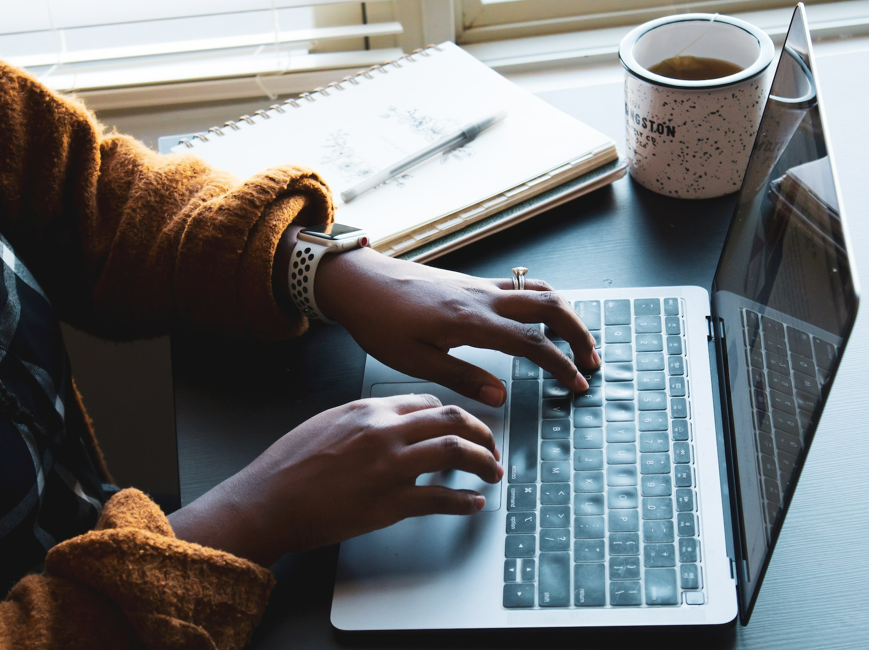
(312, 244)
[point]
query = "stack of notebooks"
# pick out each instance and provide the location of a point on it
(536, 158)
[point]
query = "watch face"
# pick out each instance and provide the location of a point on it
(332, 231)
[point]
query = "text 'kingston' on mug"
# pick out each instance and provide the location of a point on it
(689, 133)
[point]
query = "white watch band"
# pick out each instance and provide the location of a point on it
(303, 269)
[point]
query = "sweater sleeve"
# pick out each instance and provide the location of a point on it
(130, 583)
(129, 243)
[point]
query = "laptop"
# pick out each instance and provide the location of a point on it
(657, 497)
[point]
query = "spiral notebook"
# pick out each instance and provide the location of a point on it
(536, 158)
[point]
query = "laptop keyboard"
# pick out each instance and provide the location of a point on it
(602, 498)
(787, 369)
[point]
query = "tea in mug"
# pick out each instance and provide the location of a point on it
(694, 68)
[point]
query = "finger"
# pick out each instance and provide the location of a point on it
(423, 500)
(530, 284)
(550, 308)
(450, 452)
(448, 420)
(411, 403)
(464, 378)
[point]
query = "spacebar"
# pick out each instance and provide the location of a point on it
(524, 406)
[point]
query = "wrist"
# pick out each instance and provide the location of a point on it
(339, 276)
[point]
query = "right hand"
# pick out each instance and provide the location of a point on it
(345, 472)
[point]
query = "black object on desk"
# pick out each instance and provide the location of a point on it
(232, 402)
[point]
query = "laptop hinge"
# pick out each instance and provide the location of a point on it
(710, 329)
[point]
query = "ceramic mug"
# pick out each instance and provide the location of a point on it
(692, 138)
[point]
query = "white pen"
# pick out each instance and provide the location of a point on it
(457, 139)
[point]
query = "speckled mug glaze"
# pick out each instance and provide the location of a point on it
(692, 139)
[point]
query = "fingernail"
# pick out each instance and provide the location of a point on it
(497, 454)
(499, 472)
(480, 502)
(581, 382)
(491, 396)
(596, 357)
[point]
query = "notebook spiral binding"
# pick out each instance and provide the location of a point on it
(308, 96)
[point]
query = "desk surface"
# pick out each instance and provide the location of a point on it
(232, 402)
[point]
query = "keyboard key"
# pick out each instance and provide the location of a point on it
(771, 490)
(752, 320)
(690, 576)
(776, 347)
(671, 306)
(674, 345)
(615, 353)
(780, 383)
(689, 549)
(650, 361)
(654, 463)
(825, 353)
(657, 531)
(588, 481)
(681, 452)
(803, 365)
(678, 407)
(767, 466)
(589, 550)
(624, 543)
(648, 324)
(511, 570)
(555, 493)
(524, 369)
(800, 342)
(657, 485)
(650, 381)
(787, 443)
(782, 403)
(522, 465)
(620, 391)
(618, 372)
(679, 430)
(555, 539)
(786, 463)
(619, 334)
(622, 498)
(554, 586)
(784, 422)
(672, 325)
(625, 593)
(654, 441)
(755, 357)
(522, 522)
(529, 570)
(519, 595)
(588, 312)
(620, 412)
(594, 379)
(777, 363)
(652, 343)
(587, 459)
(772, 328)
(661, 587)
(588, 527)
(807, 384)
(554, 429)
(621, 454)
(654, 421)
(521, 546)
(621, 432)
(657, 508)
(652, 401)
(521, 497)
(554, 388)
(593, 397)
(588, 438)
(685, 524)
(675, 366)
(557, 408)
(684, 500)
(585, 505)
(555, 450)
(761, 401)
(647, 307)
(554, 471)
(659, 555)
(677, 387)
(589, 588)
(554, 516)
(621, 475)
(758, 379)
(617, 312)
(684, 476)
(624, 568)
(588, 418)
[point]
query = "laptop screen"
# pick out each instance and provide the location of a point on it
(785, 299)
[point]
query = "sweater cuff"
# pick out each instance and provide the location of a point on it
(175, 594)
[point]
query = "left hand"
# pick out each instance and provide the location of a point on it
(409, 316)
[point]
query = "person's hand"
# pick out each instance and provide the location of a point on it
(344, 472)
(409, 316)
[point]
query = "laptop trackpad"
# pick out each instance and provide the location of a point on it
(491, 417)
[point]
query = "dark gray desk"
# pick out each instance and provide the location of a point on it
(233, 401)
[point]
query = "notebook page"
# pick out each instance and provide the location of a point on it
(357, 131)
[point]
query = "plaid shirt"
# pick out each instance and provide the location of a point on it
(50, 489)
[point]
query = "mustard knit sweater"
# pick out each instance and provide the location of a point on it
(128, 243)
